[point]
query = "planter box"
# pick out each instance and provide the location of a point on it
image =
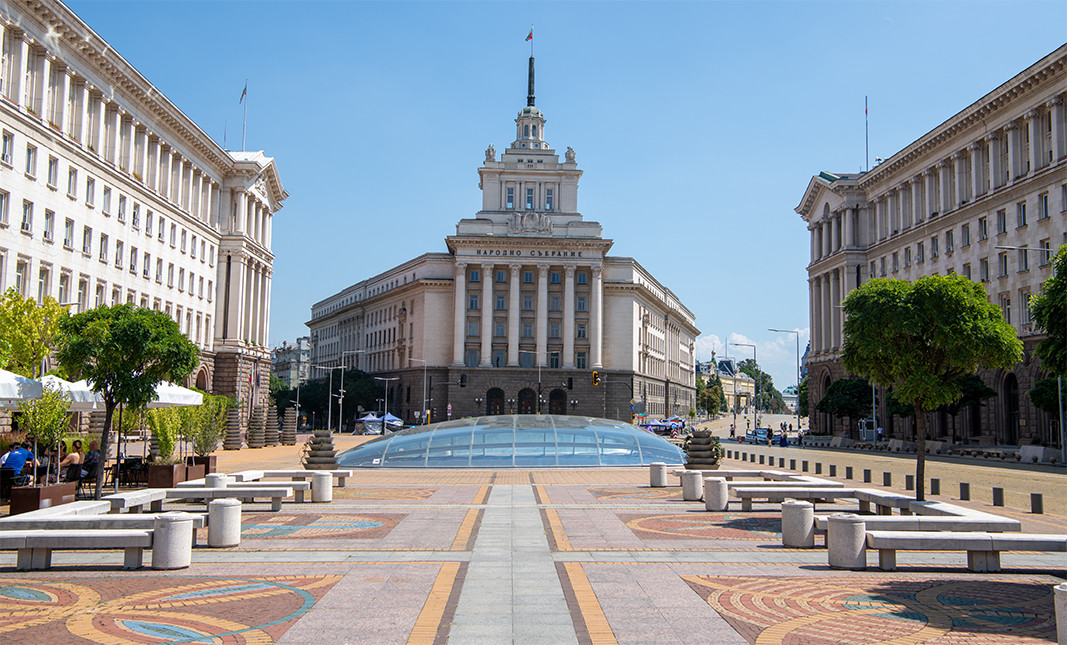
(208, 461)
(31, 498)
(165, 475)
(194, 471)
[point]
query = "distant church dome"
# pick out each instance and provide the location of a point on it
(530, 111)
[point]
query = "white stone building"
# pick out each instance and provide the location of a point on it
(994, 175)
(291, 362)
(110, 194)
(525, 299)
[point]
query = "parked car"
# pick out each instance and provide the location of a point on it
(757, 436)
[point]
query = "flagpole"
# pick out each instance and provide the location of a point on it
(866, 136)
(244, 121)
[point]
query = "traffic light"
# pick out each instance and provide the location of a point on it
(570, 382)
(596, 378)
(463, 380)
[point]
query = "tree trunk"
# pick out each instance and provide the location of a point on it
(109, 409)
(920, 454)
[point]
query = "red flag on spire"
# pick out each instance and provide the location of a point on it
(530, 37)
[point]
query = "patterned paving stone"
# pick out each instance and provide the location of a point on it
(721, 526)
(306, 525)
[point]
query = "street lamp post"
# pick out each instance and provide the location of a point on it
(755, 394)
(329, 394)
(424, 417)
(341, 390)
(797, 332)
(1059, 378)
(385, 401)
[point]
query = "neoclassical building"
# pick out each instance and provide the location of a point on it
(525, 305)
(983, 195)
(110, 194)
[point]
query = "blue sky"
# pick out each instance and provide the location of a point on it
(698, 124)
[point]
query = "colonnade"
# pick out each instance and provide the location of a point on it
(247, 310)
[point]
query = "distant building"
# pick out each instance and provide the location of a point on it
(739, 388)
(291, 363)
(790, 396)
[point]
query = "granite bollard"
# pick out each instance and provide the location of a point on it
(716, 494)
(692, 485)
(224, 523)
(798, 524)
(172, 540)
(657, 474)
(846, 542)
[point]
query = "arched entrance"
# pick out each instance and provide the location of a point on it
(1011, 410)
(557, 402)
(494, 401)
(201, 380)
(527, 401)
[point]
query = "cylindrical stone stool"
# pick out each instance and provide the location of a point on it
(691, 486)
(657, 474)
(798, 524)
(172, 540)
(215, 480)
(1060, 592)
(716, 494)
(223, 523)
(322, 486)
(846, 542)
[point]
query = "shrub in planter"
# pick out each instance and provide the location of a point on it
(703, 451)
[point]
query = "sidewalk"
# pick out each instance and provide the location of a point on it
(530, 556)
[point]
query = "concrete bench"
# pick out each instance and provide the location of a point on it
(247, 475)
(83, 507)
(35, 546)
(299, 487)
(779, 493)
(729, 475)
(141, 521)
(305, 475)
(983, 549)
(993, 524)
(275, 493)
(883, 501)
(134, 501)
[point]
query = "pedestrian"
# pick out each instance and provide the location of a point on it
(733, 430)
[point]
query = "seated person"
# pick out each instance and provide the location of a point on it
(92, 459)
(16, 459)
(71, 464)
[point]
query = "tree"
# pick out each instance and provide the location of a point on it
(847, 398)
(46, 418)
(1045, 397)
(767, 397)
(1049, 311)
(974, 392)
(28, 331)
(919, 338)
(124, 352)
(802, 398)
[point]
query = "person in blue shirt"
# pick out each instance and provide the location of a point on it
(17, 458)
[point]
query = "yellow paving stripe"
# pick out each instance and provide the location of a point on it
(463, 536)
(542, 494)
(595, 622)
(558, 534)
(429, 621)
(482, 496)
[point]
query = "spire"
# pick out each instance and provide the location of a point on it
(530, 91)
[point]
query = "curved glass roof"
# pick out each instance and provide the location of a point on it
(515, 441)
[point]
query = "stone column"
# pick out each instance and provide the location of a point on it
(835, 311)
(1014, 151)
(144, 157)
(879, 218)
(242, 211)
(83, 119)
(1033, 124)
(827, 238)
(116, 145)
(264, 317)
(596, 334)
(959, 160)
(1055, 105)
(513, 314)
(848, 216)
(977, 180)
(235, 279)
(459, 331)
(815, 300)
(62, 109)
(944, 187)
(568, 316)
(929, 182)
(487, 315)
(827, 314)
(996, 172)
(541, 353)
(45, 82)
(814, 242)
(835, 232)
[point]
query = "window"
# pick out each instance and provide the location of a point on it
(967, 271)
(148, 223)
(122, 208)
(192, 247)
(580, 331)
(87, 240)
(472, 302)
(103, 248)
(471, 358)
(181, 279)
(183, 241)
(5, 199)
(1024, 306)
(1002, 221)
(527, 330)
(472, 328)
(1020, 214)
(135, 217)
(8, 148)
(1002, 265)
(553, 330)
(553, 360)
(965, 235)
(1024, 259)
(580, 361)
(49, 225)
(118, 253)
(580, 304)
(510, 201)
(200, 287)
(90, 191)
(548, 199)
(21, 268)
(27, 217)
(554, 303)
(1042, 209)
(173, 234)
(68, 234)
(872, 274)
(72, 183)
(64, 287)
(527, 277)
(133, 259)
(527, 303)
(882, 266)
(170, 274)
(53, 172)
(896, 262)
(529, 198)
(500, 303)
(582, 277)
(210, 289)
(919, 254)
(983, 229)
(44, 275)
(31, 162)
(983, 270)
(1046, 256)
(498, 330)
(99, 296)
(203, 255)
(162, 228)
(949, 243)
(211, 255)
(105, 205)
(555, 277)
(933, 247)
(1005, 305)
(475, 275)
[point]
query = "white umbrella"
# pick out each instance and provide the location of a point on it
(15, 388)
(169, 394)
(82, 397)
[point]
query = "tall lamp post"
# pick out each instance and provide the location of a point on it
(797, 332)
(341, 390)
(755, 395)
(329, 394)
(1059, 378)
(424, 415)
(385, 401)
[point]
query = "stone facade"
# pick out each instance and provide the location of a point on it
(110, 194)
(992, 176)
(526, 283)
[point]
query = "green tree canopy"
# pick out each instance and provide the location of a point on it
(124, 352)
(45, 419)
(847, 398)
(919, 338)
(1049, 311)
(768, 398)
(28, 331)
(802, 398)
(1044, 396)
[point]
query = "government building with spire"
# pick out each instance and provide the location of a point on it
(524, 313)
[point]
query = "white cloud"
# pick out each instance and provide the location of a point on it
(776, 353)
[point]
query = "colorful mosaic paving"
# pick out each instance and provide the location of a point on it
(155, 609)
(720, 526)
(865, 609)
(306, 525)
(652, 494)
(384, 494)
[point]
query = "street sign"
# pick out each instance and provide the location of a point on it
(450, 408)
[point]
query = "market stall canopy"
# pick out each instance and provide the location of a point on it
(169, 394)
(82, 397)
(15, 388)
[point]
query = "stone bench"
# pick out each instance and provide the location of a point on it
(275, 493)
(983, 549)
(729, 475)
(83, 507)
(305, 475)
(299, 487)
(883, 501)
(140, 521)
(35, 546)
(993, 524)
(134, 501)
(780, 493)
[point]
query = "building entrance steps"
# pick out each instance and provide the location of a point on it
(511, 592)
